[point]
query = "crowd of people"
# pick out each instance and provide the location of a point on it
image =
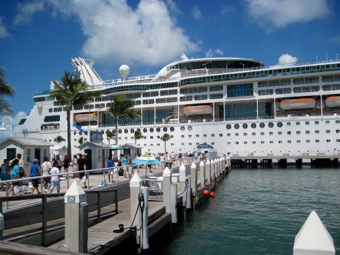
(51, 170)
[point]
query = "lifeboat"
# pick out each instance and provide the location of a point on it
(197, 109)
(86, 117)
(299, 103)
(333, 101)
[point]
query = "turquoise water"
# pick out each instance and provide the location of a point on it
(260, 212)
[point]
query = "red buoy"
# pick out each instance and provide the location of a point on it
(212, 194)
(205, 192)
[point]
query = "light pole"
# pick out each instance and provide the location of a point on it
(3, 127)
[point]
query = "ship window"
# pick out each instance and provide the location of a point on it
(262, 125)
(271, 133)
(280, 141)
(132, 130)
(190, 128)
(145, 130)
(221, 135)
(307, 132)
(236, 126)
(197, 135)
(289, 133)
(189, 136)
(327, 121)
(337, 121)
(307, 123)
(298, 141)
(328, 140)
(236, 134)
(262, 142)
(182, 128)
(212, 135)
(165, 129)
(298, 132)
(245, 125)
(262, 133)
(289, 124)
(158, 129)
(245, 142)
(204, 135)
(271, 142)
(151, 130)
(307, 141)
(337, 131)
(119, 131)
(245, 134)
(253, 134)
(253, 125)
(328, 131)
(297, 123)
(126, 131)
(253, 142)
(279, 133)
(279, 124)
(228, 126)
(228, 134)
(52, 118)
(270, 124)
(289, 141)
(317, 131)
(172, 129)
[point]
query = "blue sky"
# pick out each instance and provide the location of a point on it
(38, 38)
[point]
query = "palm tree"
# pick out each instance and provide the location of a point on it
(5, 90)
(121, 107)
(166, 137)
(59, 139)
(109, 135)
(70, 92)
(138, 135)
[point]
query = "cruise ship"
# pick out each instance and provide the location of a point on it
(239, 106)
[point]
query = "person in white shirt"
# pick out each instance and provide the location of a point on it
(55, 177)
(46, 167)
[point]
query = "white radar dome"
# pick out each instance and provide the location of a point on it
(124, 70)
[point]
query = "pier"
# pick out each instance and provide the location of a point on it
(111, 225)
(284, 160)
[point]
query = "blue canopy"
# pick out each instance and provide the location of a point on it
(116, 147)
(146, 161)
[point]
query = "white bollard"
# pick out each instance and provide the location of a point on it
(76, 219)
(135, 213)
(207, 165)
(2, 226)
(202, 176)
(145, 221)
(188, 200)
(167, 189)
(193, 178)
(174, 181)
(313, 238)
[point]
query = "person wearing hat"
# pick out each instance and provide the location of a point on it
(33, 172)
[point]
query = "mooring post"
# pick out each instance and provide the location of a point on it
(174, 181)
(207, 166)
(135, 212)
(182, 185)
(76, 219)
(202, 174)
(2, 226)
(167, 189)
(144, 242)
(194, 181)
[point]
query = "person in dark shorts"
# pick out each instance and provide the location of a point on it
(82, 167)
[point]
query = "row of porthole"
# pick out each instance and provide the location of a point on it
(145, 130)
(253, 125)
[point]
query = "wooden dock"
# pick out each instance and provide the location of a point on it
(42, 224)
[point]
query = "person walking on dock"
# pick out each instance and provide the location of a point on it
(110, 167)
(46, 167)
(55, 178)
(82, 167)
(35, 171)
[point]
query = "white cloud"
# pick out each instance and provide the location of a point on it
(147, 34)
(196, 12)
(27, 10)
(281, 13)
(286, 59)
(212, 53)
(3, 31)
